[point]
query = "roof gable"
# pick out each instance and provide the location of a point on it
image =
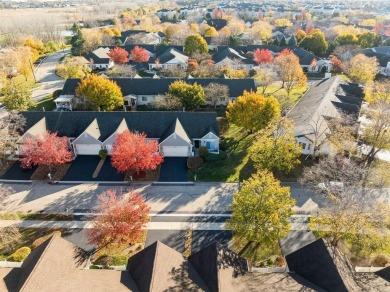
(176, 128)
(218, 266)
(53, 259)
(324, 266)
(37, 129)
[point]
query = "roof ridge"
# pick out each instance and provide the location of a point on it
(50, 241)
(154, 265)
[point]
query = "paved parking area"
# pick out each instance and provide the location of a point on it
(83, 167)
(203, 238)
(15, 173)
(172, 238)
(174, 169)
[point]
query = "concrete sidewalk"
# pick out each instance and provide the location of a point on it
(212, 226)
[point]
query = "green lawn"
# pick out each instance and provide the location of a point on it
(237, 166)
(276, 90)
(46, 103)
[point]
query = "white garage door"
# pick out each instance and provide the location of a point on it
(87, 149)
(175, 151)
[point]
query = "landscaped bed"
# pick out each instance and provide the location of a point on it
(57, 172)
(16, 238)
(147, 175)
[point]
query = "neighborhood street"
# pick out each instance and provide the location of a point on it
(181, 199)
(45, 74)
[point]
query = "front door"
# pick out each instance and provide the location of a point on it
(197, 143)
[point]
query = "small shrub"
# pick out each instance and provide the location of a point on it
(280, 261)
(20, 255)
(262, 265)
(37, 242)
(120, 260)
(57, 93)
(270, 262)
(93, 267)
(104, 261)
(381, 260)
(223, 145)
(203, 152)
(194, 162)
(103, 153)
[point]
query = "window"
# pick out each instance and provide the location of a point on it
(210, 145)
(144, 98)
(303, 146)
(308, 146)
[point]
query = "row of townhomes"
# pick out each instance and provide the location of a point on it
(142, 91)
(325, 100)
(236, 57)
(178, 134)
(56, 265)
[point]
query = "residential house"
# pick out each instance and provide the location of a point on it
(178, 134)
(169, 58)
(382, 54)
(167, 13)
(141, 37)
(218, 24)
(58, 265)
(233, 59)
(99, 59)
(142, 91)
(325, 100)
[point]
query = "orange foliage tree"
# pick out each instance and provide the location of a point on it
(263, 56)
(120, 219)
(139, 55)
(119, 55)
(48, 150)
(192, 65)
(132, 152)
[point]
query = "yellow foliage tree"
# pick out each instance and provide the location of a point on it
(377, 91)
(282, 22)
(253, 111)
(210, 31)
(100, 93)
(362, 69)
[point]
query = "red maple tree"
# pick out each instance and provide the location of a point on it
(133, 152)
(47, 150)
(139, 55)
(263, 56)
(285, 52)
(336, 64)
(192, 65)
(120, 219)
(119, 55)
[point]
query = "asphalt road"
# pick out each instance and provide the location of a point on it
(46, 76)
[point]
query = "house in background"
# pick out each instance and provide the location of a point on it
(141, 37)
(99, 59)
(232, 58)
(382, 54)
(325, 100)
(143, 91)
(178, 134)
(169, 58)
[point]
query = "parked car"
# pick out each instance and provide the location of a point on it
(61, 109)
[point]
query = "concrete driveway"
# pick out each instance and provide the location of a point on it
(45, 75)
(174, 169)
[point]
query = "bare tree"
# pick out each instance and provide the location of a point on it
(173, 72)
(376, 132)
(215, 93)
(122, 71)
(5, 192)
(11, 126)
(167, 102)
(265, 76)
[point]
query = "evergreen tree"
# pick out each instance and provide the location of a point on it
(77, 41)
(275, 42)
(283, 42)
(292, 42)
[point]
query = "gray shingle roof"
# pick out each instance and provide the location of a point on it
(151, 86)
(153, 124)
(217, 266)
(324, 266)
